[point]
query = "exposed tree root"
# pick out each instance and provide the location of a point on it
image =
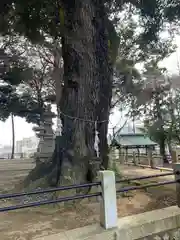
(43, 170)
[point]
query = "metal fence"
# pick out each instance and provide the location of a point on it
(51, 190)
(82, 196)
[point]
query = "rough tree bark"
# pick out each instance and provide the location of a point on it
(84, 41)
(162, 135)
(80, 91)
(105, 33)
(57, 72)
(104, 110)
(162, 145)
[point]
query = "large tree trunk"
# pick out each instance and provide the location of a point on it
(58, 72)
(162, 135)
(82, 45)
(80, 91)
(170, 148)
(105, 33)
(162, 145)
(103, 113)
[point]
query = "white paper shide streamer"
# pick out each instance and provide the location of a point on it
(58, 126)
(96, 140)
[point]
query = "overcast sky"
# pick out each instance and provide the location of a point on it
(23, 129)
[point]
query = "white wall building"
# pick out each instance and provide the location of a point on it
(27, 146)
(5, 151)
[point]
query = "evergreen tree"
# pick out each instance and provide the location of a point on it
(89, 49)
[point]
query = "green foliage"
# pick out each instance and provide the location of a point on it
(15, 75)
(5, 93)
(25, 79)
(161, 107)
(139, 40)
(19, 105)
(32, 18)
(14, 66)
(128, 82)
(13, 72)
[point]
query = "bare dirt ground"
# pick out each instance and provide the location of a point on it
(30, 223)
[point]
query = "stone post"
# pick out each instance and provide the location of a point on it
(126, 155)
(174, 156)
(134, 159)
(150, 158)
(176, 168)
(108, 205)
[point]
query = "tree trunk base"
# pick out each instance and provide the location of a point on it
(45, 176)
(42, 171)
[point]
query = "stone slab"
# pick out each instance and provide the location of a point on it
(145, 226)
(149, 223)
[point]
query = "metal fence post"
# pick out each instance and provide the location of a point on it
(108, 205)
(176, 168)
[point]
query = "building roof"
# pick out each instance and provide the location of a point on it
(134, 141)
(127, 137)
(128, 130)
